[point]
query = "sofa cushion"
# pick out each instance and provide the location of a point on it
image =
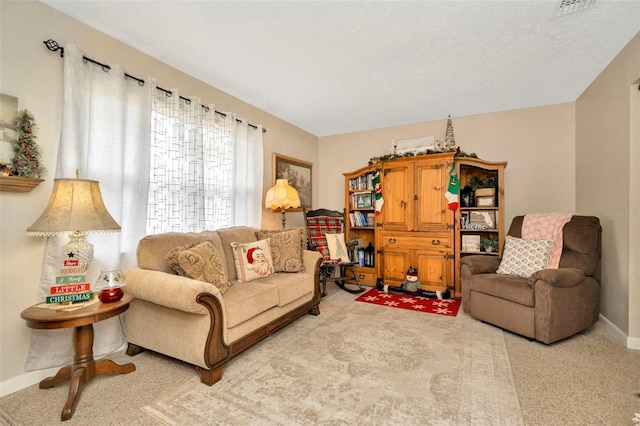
(290, 286)
(253, 260)
(200, 262)
(244, 301)
(523, 257)
(286, 248)
(240, 234)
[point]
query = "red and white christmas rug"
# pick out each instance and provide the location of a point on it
(447, 307)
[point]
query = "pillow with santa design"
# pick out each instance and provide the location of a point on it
(253, 260)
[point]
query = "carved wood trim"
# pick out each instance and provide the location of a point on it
(317, 293)
(216, 351)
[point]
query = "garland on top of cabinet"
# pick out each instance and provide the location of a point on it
(383, 158)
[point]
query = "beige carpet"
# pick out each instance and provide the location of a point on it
(359, 364)
(106, 400)
(588, 379)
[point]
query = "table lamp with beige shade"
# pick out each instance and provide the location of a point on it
(75, 208)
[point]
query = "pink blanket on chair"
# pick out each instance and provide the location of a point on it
(546, 226)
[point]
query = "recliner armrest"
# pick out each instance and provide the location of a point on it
(562, 277)
(473, 265)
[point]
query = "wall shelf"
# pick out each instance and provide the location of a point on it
(18, 184)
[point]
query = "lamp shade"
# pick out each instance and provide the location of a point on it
(282, 196)
(75, 205)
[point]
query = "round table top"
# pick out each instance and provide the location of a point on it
(46, 318)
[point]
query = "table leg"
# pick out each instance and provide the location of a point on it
(83, 369)
(75, 387)
(108, 367)
(63, 375)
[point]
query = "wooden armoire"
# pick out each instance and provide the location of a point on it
(415, 226)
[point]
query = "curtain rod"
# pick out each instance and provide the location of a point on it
(53, 46)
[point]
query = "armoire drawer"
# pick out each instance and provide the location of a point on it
(437, 241)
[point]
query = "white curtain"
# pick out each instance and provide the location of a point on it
(249, 164)
(206, 167)
(105, 135)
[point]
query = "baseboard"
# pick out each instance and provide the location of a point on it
(619, 335)
(17, 383)
(633, 343)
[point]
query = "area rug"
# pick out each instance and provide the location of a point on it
(448, 307)
(357, 364)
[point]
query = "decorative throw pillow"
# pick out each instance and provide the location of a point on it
(523, 257)
(199, 261)
(337, 247)
(253, 260)
(286, 249)
(317, 228)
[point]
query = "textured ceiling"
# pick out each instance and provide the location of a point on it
(333, 67)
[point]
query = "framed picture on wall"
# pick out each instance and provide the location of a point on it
(298, 173)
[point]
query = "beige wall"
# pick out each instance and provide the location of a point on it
(608, 163)
(537, 143)
(34, 75)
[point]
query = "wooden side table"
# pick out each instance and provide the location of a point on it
(84, 367)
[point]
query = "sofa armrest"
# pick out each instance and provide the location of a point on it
(309, 258)
(473, 265)
(562, 277)
(171, 291)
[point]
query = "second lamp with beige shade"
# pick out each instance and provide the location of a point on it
(281, 197)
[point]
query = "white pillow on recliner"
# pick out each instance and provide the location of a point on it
(523, 257)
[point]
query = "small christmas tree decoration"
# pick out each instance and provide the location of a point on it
(26, 160)
(449, 140)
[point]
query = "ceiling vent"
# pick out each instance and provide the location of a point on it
(569, 6)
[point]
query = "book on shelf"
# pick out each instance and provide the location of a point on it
(363, 182)
(359, 219)
(74, 297)
(371, 219)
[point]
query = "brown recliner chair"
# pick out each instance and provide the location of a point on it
(551, 304)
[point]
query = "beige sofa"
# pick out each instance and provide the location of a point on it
(192, 321)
